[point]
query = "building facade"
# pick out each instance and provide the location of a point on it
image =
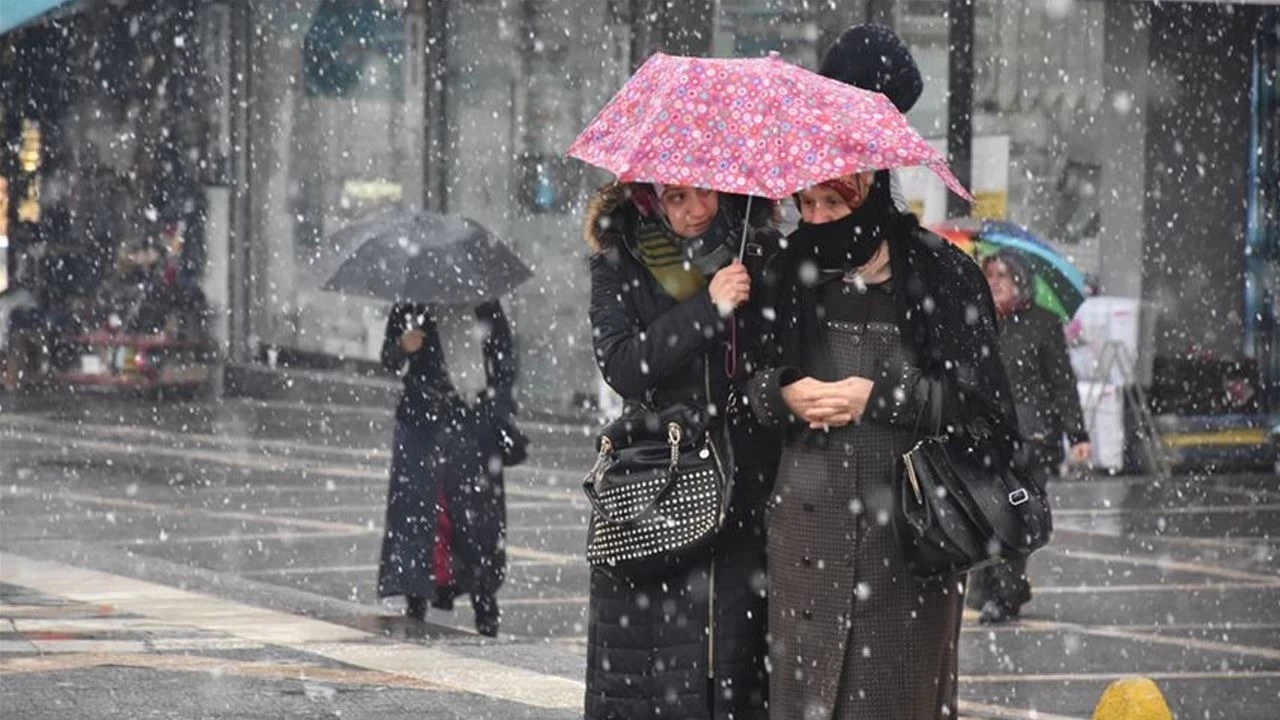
(1154, 169)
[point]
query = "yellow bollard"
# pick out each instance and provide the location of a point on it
(1132, 699)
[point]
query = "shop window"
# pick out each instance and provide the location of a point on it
(353, 48)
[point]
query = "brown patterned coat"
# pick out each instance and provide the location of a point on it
(853, 633)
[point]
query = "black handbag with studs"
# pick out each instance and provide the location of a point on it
(659, 490)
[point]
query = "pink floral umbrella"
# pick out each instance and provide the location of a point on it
(759, 127)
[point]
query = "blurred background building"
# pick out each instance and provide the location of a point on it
(1140, 137)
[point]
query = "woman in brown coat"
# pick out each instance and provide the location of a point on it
(872, 311)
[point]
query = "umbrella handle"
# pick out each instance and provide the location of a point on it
(731, 356)
(746, 224)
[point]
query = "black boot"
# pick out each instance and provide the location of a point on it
(444, 597)
(415, 607)
(486, 609)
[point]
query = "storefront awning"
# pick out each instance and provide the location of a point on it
(19, 12)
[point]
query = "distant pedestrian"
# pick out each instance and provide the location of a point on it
(446, 512)
(1034, 350)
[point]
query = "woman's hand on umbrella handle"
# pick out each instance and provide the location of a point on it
(730, 287)
(411, 341)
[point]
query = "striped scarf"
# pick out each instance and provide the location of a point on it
(660, 253)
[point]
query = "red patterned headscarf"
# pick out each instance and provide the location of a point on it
(848, 188)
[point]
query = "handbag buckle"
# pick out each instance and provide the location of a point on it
(673, 439)
(606, 447)
(1019, 496)
(911, 477)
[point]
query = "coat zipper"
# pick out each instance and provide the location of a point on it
(715, 456)
(711, 628)
(711, 586)
(711, 589)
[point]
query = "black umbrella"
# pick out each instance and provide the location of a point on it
(426, 257)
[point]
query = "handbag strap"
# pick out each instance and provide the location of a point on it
(931, 404)
(935, 405)
(589, 485)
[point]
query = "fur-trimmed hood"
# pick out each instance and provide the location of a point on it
(609, 213)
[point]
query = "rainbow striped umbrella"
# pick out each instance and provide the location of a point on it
(1059, 285)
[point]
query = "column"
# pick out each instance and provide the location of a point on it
(1122, 134)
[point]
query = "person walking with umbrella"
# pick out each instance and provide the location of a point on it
(1048, 406)
(690, 642)
(448, 337)
(873, 313)
(445, 509)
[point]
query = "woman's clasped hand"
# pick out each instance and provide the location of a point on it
(828, 404)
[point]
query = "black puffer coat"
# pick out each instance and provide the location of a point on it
(690, 645)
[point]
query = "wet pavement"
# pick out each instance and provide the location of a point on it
(276, 507)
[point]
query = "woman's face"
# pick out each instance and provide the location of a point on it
(822, 204)
(1003, 289)
(689, 210)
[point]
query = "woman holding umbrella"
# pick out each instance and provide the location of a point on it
(873, 313)
(689, 643)
(1048, 405)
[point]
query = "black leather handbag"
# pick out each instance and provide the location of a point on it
(960, 507)
(659, 490)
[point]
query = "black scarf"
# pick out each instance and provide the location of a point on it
(840, 245)
(800, 310)
(852, 240)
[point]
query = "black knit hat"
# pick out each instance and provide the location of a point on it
(873, 57)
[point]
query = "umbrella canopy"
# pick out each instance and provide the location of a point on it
(760, 127)
(428, 258)
(16, 12)
(1059, 284)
